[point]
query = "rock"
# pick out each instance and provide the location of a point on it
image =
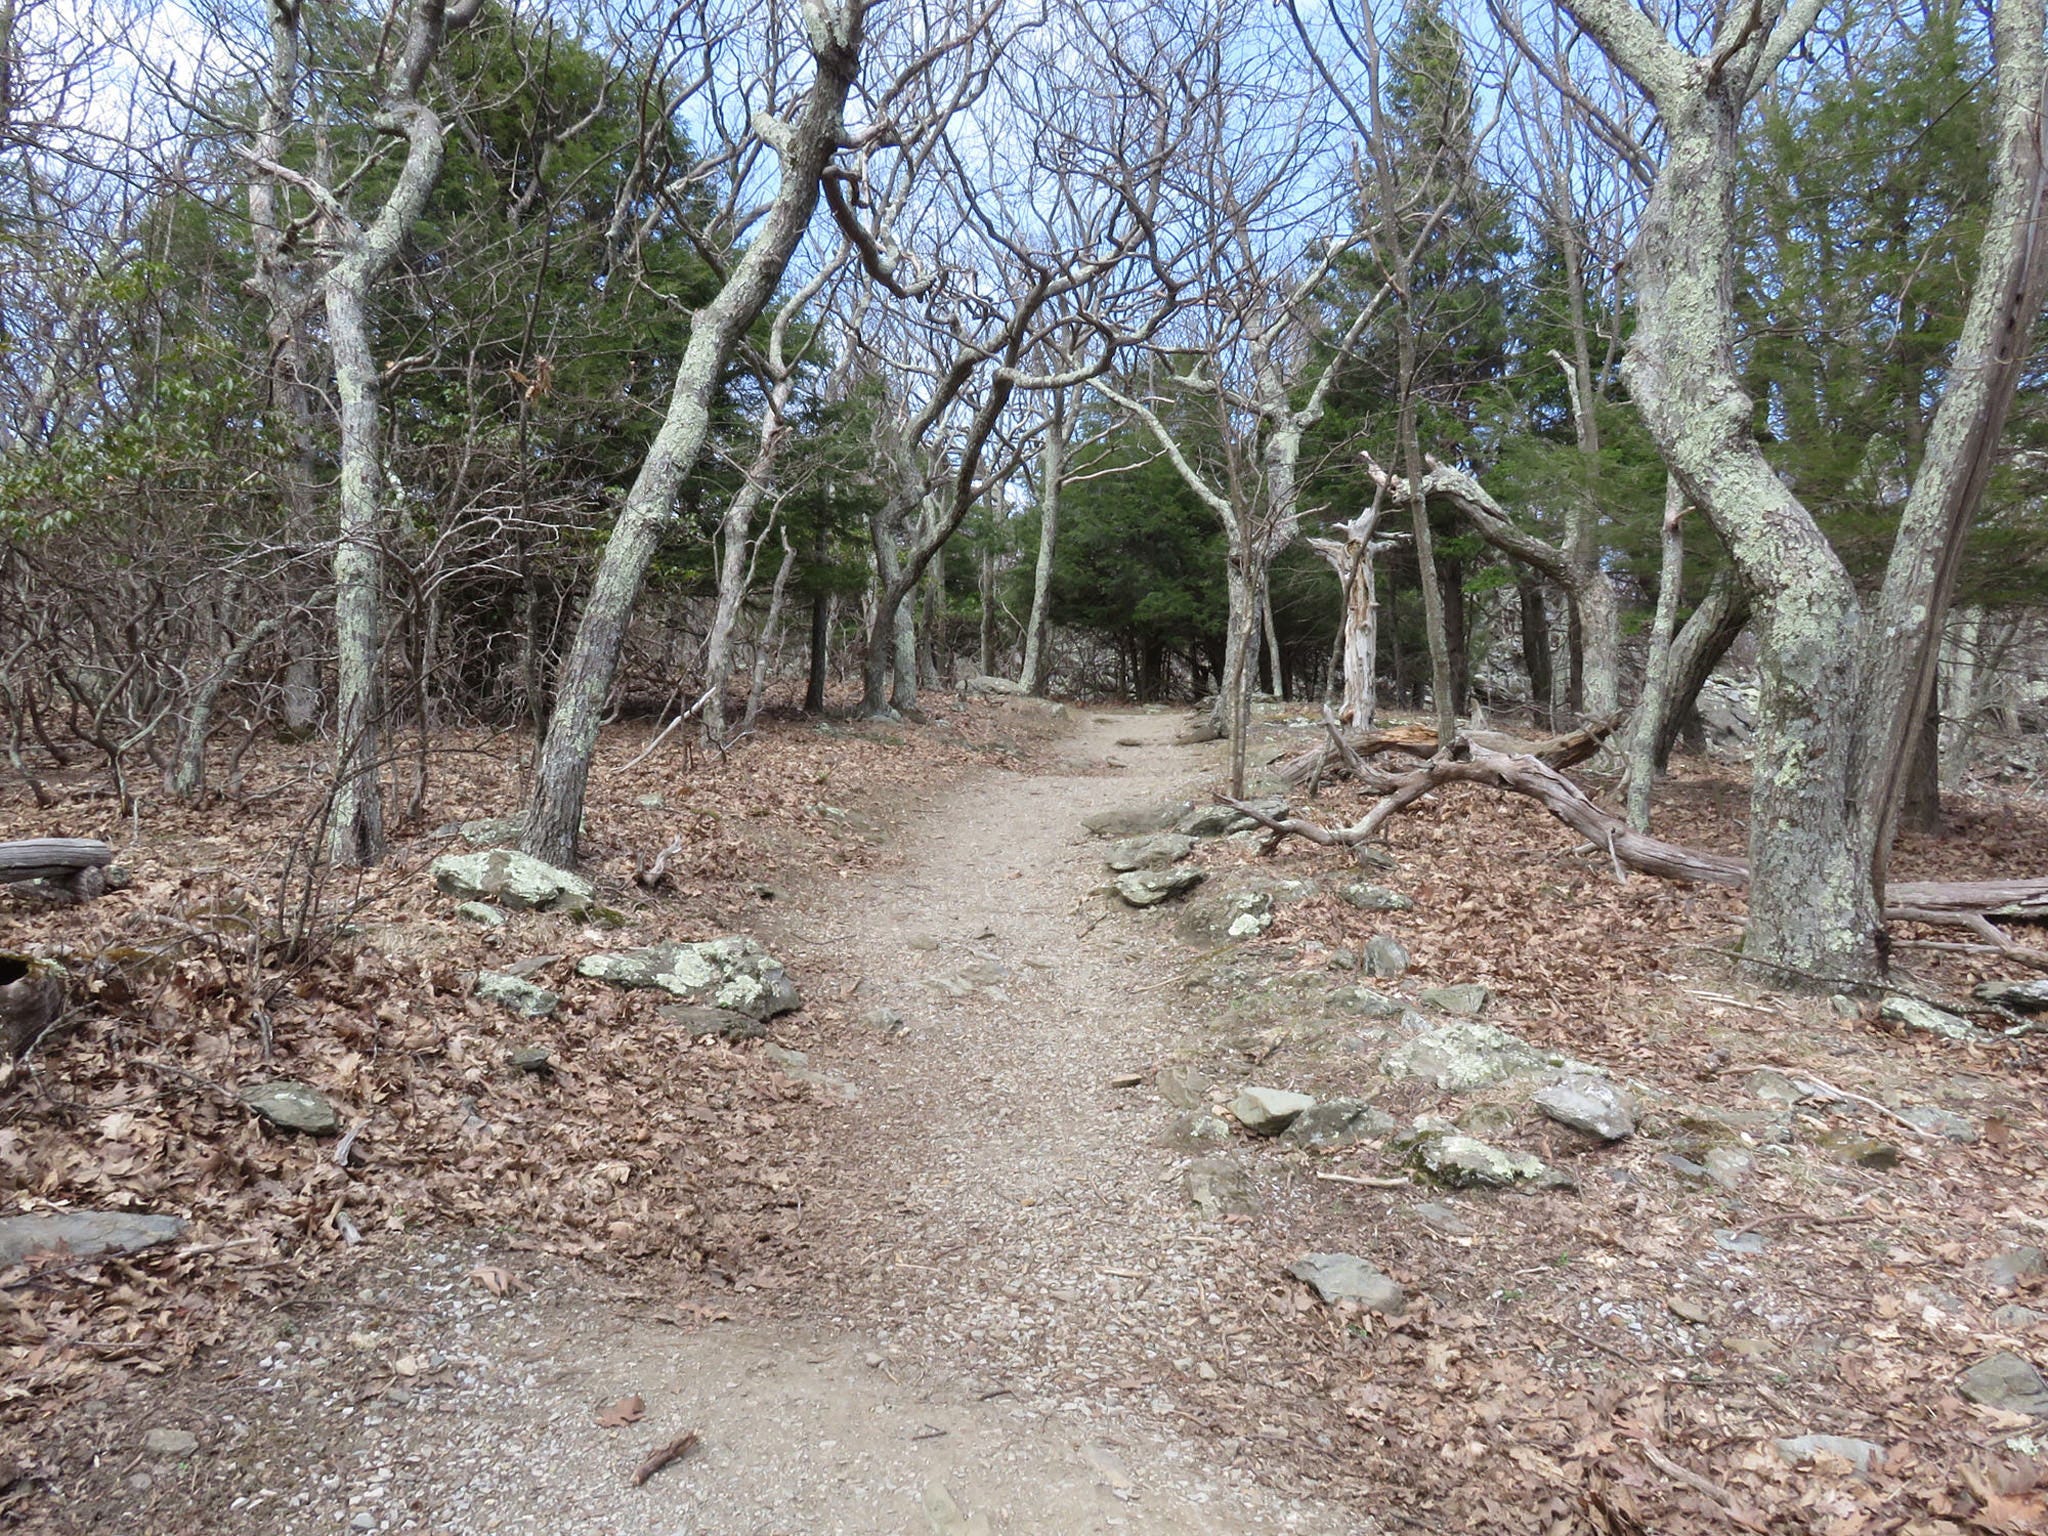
(294, 1106)
(1336, 1123)
(1733, 1240)
(170, 1442)
(883, 1021)
(2005, 1271)
(531, 1058)
(1860, 1454)
(1867, 1152)
(1268, 1111)
(1774, 1087)
(1364, 1000)
(1464, 1055)
(1686, 1309)
(1138, 820)
(1467, 1000)
(1683, 1166)
(1201, 731)
(1383, 956)
(1484, 1120)
(1374, 898)
(1911, 1013)
(700, 1019)
(491, 831)
(2020, 996)
(84, 1234)
(1222, 820)
(945, 1517)
(1345, 1277)
(516, 993)
(992, 687)
(1940, 1122)
(1159, 850)
(511, 879)
(1227, 919)
(480, 914)
(1588, 1104)
(1728, 1167)
(734, 973)
(1463, 1162)
(1148, 888)
(1184, 1087)
(2007, 1382)
(1219, 1187)
(2017, 1318)
(1200, 1128)
(1442, 1219)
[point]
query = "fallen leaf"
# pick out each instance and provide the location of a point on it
(493, 1279)
(627, 1410)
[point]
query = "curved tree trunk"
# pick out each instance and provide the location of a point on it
(1656, 699)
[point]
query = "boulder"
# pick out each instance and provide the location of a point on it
(1157, 850)
(84, 1234)
(1219, 1186)
(516, 993)
(1467, 1000)
(1336, 1123)
(1383, 956)
(1466, 1054)
(1345, 1277)
(696, 1019)
(1911, 1013)
(1149, 887)
(2020, 996)
(1464, 1162)
(1368, 897)
(1268, 1111)
(732, 972)
(2007, 1382)
(1588, 1104)
(293, 1106)
(1137, 820)
(1199, 1128)
(511, 879)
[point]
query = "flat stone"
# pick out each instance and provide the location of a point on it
(1911, 1013)
(1383, 956)
(1367, 897)
(1268, 1111)
(170, 1442)
(294, 1106)
(1733, 1240)
(2008, 1269)
(1184, 1087)
(1464, 1055)
(2007, 1382)
(1218, 1187)
(511, 879)
(483, 915)
(2020, 996)
(733, 973)
(516, 993)
(1366, 1001)
(1774, 1087)
(883, 1021)
(1860, 1454)
(1465, 1162)
(2016, 1317)
(1442, 1219)
(1687, 1309)
(1728, 1167)
(1467, 1000)
(84, 1234)
(1200, 1128)
(1589, 1104)
(1945, 1123)
(531, 1058)
(1345, 1277)
(1222, 820)
(1336, 1123)
(1138, 820)
(1150, 887)
(1161, 850)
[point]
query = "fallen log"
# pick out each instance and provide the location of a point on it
(1330, 758)
(72, 865)
(1962, 903)
(31, 999)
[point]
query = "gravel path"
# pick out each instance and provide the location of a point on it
(1013, 1308)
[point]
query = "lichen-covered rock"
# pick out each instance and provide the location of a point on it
(481, 913)
(293, 1106)
(1137, 820)
(1384, 956)
(1336, 1123)
(1222, 820)
(84, 1234)
(2007, 1382)
(516, 993)
(1149, 887)
(1911, 1013)
(1364, 1000)
(1346, 1277)
(1268, 1111)
(733, 972)
(1466, 1054)
(2021, 996)
(1233, 916)
(1467, 1000)
(1368, 897)
(1465, 1162)
(512, 879)
(697, 1019)
(1158, 850)
(1589, 1104)
(1219, 1186)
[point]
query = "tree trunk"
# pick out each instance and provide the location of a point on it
(736, 560)
(821, 654)
(1959, 686)
(770, 627)
(1535, 643)
(1656, 699)
(1051, 475)
(355, 819)
(188, 772)
(1709, 630)
(987, 592)
(1920, 810)
(562, 772)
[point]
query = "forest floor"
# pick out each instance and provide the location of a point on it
(926, 1259)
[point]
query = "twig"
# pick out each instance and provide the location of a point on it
(1367, 1181)
(1688, 1477)
(1842, 1220)
(661, 1456)
(1828, 1091)
(1734, 1002)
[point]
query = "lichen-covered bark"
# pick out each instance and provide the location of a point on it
(1656, 698)
(1052, 471)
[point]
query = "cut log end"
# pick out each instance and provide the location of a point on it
(31, 1000)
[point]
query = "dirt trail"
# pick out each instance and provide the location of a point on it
(1010, 1282)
